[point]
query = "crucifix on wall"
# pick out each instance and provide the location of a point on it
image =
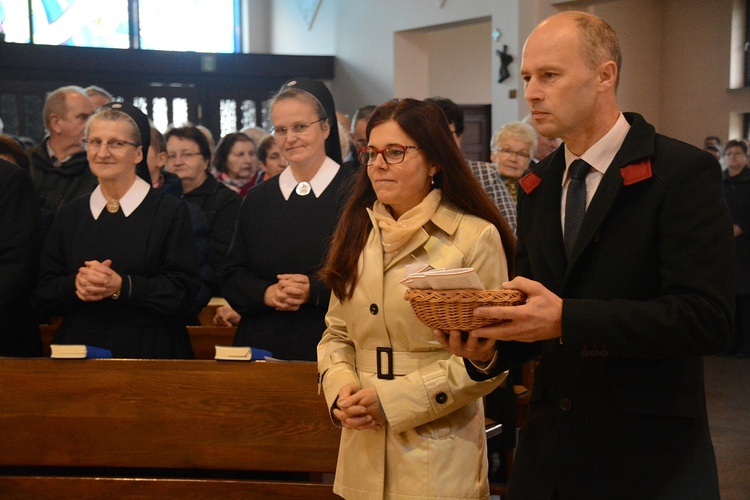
(505, 60)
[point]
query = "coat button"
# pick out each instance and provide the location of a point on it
(441, 397)
(566, 404)
(373, 309)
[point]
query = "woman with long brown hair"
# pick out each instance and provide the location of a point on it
(408, 408)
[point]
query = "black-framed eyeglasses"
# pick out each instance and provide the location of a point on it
(113, 145)
(392, 155)
(297, 128)
(521, 154)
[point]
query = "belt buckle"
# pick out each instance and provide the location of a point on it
(389, 356)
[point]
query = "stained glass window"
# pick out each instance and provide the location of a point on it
(83, 23)
(14, 20)
(179, 25)
(189, 25)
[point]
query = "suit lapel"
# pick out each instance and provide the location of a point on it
(637, 147)
(549, 217)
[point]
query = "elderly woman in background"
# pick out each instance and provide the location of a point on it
(270, 161)
(270, 277)
(236, 163)
(189, 156)
(120, 265)
(513, 146)
(414, 424)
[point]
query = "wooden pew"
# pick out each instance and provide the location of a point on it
(163, 429)
(202, 338)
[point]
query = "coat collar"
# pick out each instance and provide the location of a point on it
(447, 218)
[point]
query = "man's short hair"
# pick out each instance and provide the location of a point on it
(599, 41)
(714, 138)
(363, 113)
(55, 102)
(92, 90)
(453, 113)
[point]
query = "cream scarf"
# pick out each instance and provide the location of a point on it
(395, 234)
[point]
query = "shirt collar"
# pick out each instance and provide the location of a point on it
(601, 154)
(57, 162)
(128, 203)
(318, 183)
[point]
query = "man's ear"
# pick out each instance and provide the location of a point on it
(54, 123)
(608, 75)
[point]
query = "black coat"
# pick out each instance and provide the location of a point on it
(276, 236)
(737, 194)
(20, 246)
(153, 250)
(618, 406)
(220, 205)
(56, 186)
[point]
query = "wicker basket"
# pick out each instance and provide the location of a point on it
(454, 309)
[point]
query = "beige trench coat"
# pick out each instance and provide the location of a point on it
(433, 445)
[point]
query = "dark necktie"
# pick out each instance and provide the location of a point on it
(575, 204)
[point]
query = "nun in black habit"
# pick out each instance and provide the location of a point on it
(284, 229)
(120, 265)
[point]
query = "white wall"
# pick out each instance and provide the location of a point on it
(290, 34)
(451, 61)
(363, 34)
(675, 69)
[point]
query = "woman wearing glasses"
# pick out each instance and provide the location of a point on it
(513, 147)
(413, 420)
(284, 228)
(120, 266)
(189, 157)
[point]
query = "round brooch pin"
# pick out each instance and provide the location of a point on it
(303, 188)
(113, 206)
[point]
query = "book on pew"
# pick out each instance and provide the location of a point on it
(78, 351)
(240, 353)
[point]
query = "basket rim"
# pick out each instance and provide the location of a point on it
(464, 295)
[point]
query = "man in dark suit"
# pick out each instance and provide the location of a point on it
(622, 307)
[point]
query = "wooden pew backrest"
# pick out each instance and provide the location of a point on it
(162, 414)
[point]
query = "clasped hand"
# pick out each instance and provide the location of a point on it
(96, 281)
(291, 291)
(540, 318)
(358, 409)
